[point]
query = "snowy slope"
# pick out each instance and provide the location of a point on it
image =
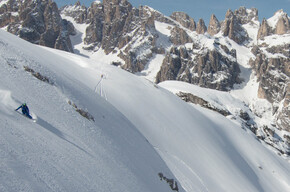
(231, 102)
(77, 40)
(63, 151)
(187, 139)
(204, 150)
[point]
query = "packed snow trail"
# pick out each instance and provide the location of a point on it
(63, 151)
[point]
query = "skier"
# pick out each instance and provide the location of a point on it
(25, 110)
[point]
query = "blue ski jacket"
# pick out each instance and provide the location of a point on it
(25, 110)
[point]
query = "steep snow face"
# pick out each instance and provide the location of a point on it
(252, 30)
(152, 68)
(77, 40)
(64, 151)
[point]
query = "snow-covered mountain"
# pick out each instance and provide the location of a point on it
(113, 150)
(100, 128)
(238, 55)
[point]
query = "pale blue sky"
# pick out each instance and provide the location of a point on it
(204, 8)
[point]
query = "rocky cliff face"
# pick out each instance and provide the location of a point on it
(201, 28)
(179, 36)
(232, 28)
(38, 22)
(278, 24)
(210, 69)
(246, 15)
(184, 20)
(272, 66)
(264, 30)
(274, 76)
(115, 25)
(78, 12)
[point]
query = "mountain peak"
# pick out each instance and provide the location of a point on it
(214, 25)
(201, 27)
(280, 12)
(184, 20)
(275, 18)
(264, 29)
(247, 15)
(278, 24)
(229, 14)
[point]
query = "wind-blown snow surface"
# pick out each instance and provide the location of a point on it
(62, 151)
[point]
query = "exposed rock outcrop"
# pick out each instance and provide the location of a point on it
(38, 22)
(214, 25)
(233, 29)
(78, 12)
(179, 36)
(282, 26)
(274, 77)
(112, 23)
(272, 67)
(209, 69)
(184, 20)
(190, 98)
(94, 32)
(246, 15)
(115, 15)
(264, 29)
(279, 25)
(116, 26)
(201, 28)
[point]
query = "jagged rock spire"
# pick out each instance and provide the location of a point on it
(116, 9)
(278, 24)
(264, 29)
(214, 25)
(184, 20)
(232, 27)
(282, 26)
(201, 28)
(229, 14)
